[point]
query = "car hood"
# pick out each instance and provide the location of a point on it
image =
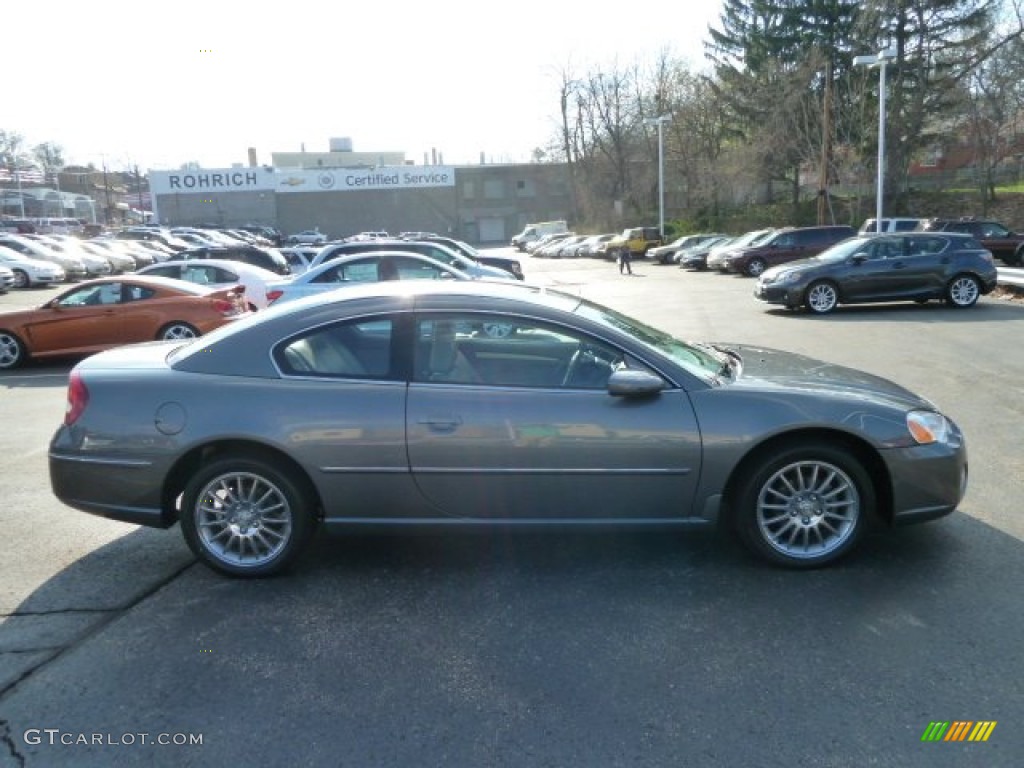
(765, 368)
(800, 265)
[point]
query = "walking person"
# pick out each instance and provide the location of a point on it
(625, 259)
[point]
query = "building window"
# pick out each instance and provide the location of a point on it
(468, 190)
(525, 188)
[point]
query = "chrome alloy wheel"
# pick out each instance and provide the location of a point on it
(808, 509)
(822, 298)
(964, 291)
(243, 519)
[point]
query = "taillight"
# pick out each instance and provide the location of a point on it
(274, 295)
(224, 307)
(78, 398)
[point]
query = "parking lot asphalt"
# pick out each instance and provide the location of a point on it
(519, 649)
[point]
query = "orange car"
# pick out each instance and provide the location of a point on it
(110, 311)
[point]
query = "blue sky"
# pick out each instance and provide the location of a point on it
(160, 84)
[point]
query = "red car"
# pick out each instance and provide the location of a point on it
(111, 311)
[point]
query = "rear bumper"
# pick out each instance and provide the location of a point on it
(127, 490)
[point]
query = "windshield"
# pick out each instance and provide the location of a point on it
(701, 360)
(843, 250)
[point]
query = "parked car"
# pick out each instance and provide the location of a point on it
(74, 267)
(307, 237)
(95, 265)
(111, 311)
(592, 246)
(890, 225)
(358, 268)
(666, 254)
(142, 257)
(784, 245)
(384, 406)
(696, 256)
(1003, 242)
(913, 266)
(637, 240)
(269, 259)
(219, 273)
(544, 240)
(27, 272)
(6, 278)
(509, 264)
(434, 251)
(717, 255)
(155, 234)
(299, 257)
(120, 261)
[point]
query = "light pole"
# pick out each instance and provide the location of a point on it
(660, 121)
(880, 60)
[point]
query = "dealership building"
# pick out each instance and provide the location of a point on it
(342, 193)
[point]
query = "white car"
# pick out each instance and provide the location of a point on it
(358, 268)
(6, 279)
(74, 267)
(299, 257)
(220, 273)
(308, 237)
(28, 272)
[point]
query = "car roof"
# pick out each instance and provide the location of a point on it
(233, 264)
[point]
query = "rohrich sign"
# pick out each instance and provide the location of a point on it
(206, 181)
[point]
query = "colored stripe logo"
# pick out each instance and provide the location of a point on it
(958, 730)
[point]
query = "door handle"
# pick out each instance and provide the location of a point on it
(441, 423)
(899, 265)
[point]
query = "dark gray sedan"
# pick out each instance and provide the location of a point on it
(912, 266)
(389, 405)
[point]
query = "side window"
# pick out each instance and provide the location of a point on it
(354, 349)
(221, 275)
(922, 246)
(333, 275)
(496, 350)
(93, 295)
(138, 293)
(196, 273)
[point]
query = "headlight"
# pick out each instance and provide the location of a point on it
(928, 427)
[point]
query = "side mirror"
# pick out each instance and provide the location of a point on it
(627, 383)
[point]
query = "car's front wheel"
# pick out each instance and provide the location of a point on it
(12, 351)
(822, 297)
(805, 506)
(756, 267)
(21, 279)
(243, 517)
(963, 291)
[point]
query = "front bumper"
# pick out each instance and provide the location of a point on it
(928, 481)
(790, 295)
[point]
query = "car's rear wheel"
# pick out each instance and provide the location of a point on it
(243, 517)
(21, 279)
(805, 506)
(12, 351)
(822, 297)
(177, 331)
(963, 291)
(756, 267)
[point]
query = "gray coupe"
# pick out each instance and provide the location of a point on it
(390, 405)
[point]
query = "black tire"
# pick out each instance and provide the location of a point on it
(1017, 259)
(756, 267)
(21, 279)
(12, 351)
(963, 291)
(243, 517)
(805, 506)
(177, 331)
(821, 297)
